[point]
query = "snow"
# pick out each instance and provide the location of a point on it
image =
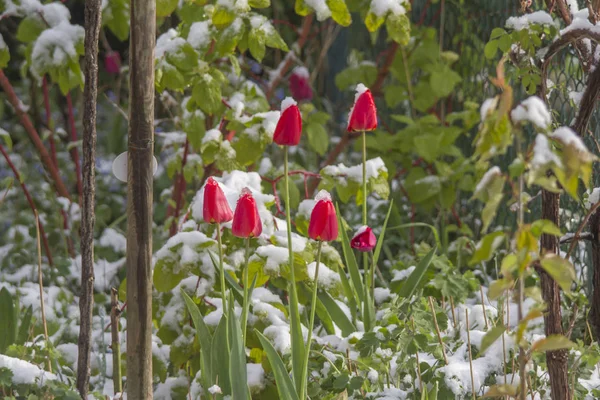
(305, 208)
(213, 135)
(112, 239)
(533, 110)
(168, 42)
(199, 35)
(256, 377)
(287, 103)
(593, 198)
(525, 21)
(301, 72)
(383, 294)
(25, 372)
(382, 7)
(487, 177)
(360, 230)
(402, 274)
(55, 46)
(543, 154)
(321, 9)
(569, 138)
(327, 279)
(275, 256)
(215, 389)
(374, 167)
(323, 195)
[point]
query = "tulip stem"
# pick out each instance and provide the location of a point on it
(295, 325)
(364, 176)
(221, 269)
(313, 308)
(246, 290)
(369, 275)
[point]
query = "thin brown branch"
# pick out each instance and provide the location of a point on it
(74, 151)
(13, 99)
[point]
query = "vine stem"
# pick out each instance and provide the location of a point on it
(31, 204)
(221, 269)
(313, 307)
(41, 284)
(245, 283)
(296, 331)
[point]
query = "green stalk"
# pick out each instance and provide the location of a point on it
(295, 324)
(220, 242)
(364, 176)
(245, 283)
(369, 275)
(311, 323)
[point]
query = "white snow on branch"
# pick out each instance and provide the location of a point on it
(533, 110)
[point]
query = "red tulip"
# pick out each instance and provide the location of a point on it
(363, 116)
(112, 62)
(246, 221)
(364, 239)
(216, 209)
(289, 126)
(300, 85)
(323, 220)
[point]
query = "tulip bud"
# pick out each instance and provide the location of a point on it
(246, 220)
(112, 62)
(363, 116)
(364, 239)
(289, 126)
(216, 208)
(300, 85)
(323, 219)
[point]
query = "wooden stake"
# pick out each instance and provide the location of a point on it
(437, 329)
(454, 323)
(116, 345)
(470, 355)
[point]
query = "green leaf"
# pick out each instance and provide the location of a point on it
(337, 315)
(382, 234)
(398, 27)
(318, 139)
(490, 337)
(259, 3)
(411, 284)
(486, 247)
(373, 22)
(204, 339)
(207, 94)
(24, 325)
(223, 17)
(164, 8)
(237, 364)
(220, 352)
(5, 136)
(164, 279)
(503, 390)
(560, 269)
(544, 226)
(443, 80)
(4, 54)
(339, 12)
(29, 29)
(116, 17)
(274, 40)
(7, 327)
(490, 49)
(256, 44)
(285, 386)
(551, 343)
(350, 259)
(422, 187)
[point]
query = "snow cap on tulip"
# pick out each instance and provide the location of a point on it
(323, 224)
(363, 116)
(300, 84)
(289, 126)
(364, 239)
(246, 220)
(215, 208)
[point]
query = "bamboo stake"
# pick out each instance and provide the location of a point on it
(470, 356)
(483, 305)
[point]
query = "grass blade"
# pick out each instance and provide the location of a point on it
(204, 338)
(220, 357)
(350, 260)
(23, 334)
(381, 236)
(411, 284)
(236, 289)
(285, 386)
(7, 329)
(337, 315)
(421, 224)
(238, 375)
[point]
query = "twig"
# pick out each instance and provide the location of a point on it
(74, 151)
(454, 323)
(437, 329)
(470, 355)
(31, 204)
(581, 226)
(483, 306)
(116, 346)
(33, 135)
(569, 237)
(41, 284)
(178, 191)
(412, 320)
(287, 63)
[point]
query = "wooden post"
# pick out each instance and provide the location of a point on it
(92, 17)
(139, 199)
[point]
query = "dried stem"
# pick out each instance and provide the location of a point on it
(483, 306)
(61, 189)
(470, 355)
(454, 323)
(437, 329)
(412, 320)
(41, 284)
(116, 345)
(31, 204)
